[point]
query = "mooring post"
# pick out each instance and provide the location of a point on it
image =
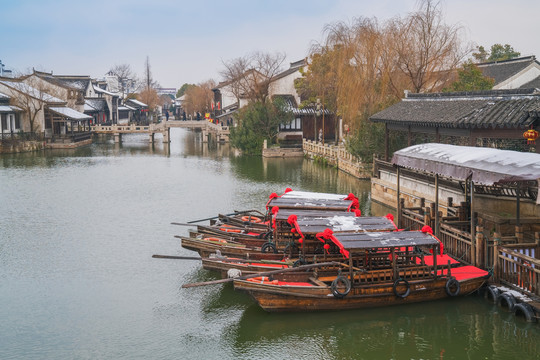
(496, 243)
(519, 233)
(480, 247)
(537, 241)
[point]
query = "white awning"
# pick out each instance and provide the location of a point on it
(70, 113)
(486, 166)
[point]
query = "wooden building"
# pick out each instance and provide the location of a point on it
(495, 118)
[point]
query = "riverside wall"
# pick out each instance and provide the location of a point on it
(338, 156)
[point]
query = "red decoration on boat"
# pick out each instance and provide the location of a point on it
(427, 229)
(358, 212)
(288, 190)
(354, 204)
(350, 197)
(390, 217)
(272, 196)
(293, 221)
(531, 135)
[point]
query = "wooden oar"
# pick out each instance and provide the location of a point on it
(176, 257)
(267, 273)
(182, 224)
(215, 217)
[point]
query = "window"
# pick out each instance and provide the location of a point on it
(294, 124)
(17, 122)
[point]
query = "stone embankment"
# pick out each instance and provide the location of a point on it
(12, 147)
(338, 156)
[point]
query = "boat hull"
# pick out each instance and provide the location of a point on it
(279, 298)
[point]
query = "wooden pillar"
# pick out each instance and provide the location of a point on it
(409, 136)
(473, 232)
(437, 135)
(386, 143)
(398, 207)
(480, 244)
(496, 244)
(519, 233)
(518, 191)
(436, 229)
(537, 241)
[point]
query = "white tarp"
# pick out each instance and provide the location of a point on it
(486, 166)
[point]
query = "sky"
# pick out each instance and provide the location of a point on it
(188, 41)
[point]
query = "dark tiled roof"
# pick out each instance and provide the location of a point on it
(498, 108)
(503, 70)
(98, 104)
(291, 104)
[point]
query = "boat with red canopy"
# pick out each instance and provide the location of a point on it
(378, 269)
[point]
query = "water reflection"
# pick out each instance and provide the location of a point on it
(449, 329)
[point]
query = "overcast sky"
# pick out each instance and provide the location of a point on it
(186, 41)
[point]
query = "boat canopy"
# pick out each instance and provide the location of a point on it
(371, 240)
(486, 166)
(315, 221)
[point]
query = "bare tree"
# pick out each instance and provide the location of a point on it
(148, 80)
(127, 80)
(427, 48)
(199, 98)
(250, 76)
(32, 97)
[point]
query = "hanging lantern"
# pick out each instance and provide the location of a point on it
(531, 136)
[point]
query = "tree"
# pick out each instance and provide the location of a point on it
(470, 78)
(370, 64)
(148, 80)
(150, 97)
(127, 80)
(256, 122)
(497, 52)
(250, 76)
(319, 81)
(427, 47)
(183, 89)
(199, 97)
(32, 96)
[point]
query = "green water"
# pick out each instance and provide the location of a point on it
(77, 280)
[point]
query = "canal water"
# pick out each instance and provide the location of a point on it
(78, 229)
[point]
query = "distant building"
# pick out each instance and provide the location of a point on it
(5, 72)
(518, 73)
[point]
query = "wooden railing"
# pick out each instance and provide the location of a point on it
(456, 242)
(517, 267)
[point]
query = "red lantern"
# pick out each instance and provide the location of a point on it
(531, 136)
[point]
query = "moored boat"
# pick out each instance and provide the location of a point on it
(381, 269)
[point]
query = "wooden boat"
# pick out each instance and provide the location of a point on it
(232, 267)
(206, 246)
(303, 200)
(301, 243)
(254, 220)
(296, 230)
(232, 233)
(382, 269)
